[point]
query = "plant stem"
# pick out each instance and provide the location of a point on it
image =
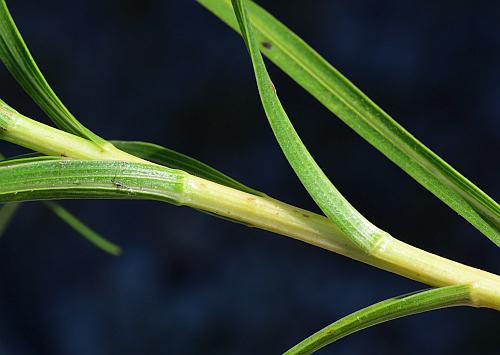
(266, 213)
(389, 253)
(39, 137)
(312, 72)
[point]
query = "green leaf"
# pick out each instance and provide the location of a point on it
(55, 178)
(339, 95)
(17, 58)
(162, 156)
(48, 177)
(359, 230)
(82, 229)
(175, 160)
(7, 212)
(382, 312)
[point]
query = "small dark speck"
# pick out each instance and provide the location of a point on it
(117, 184)
(267, 45)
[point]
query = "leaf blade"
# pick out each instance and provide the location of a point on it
(86, 232)
(17, 58)
(360, 231)
(53, 178)
(175, 160)
(304, 65)
(8, 210)
(384, 311)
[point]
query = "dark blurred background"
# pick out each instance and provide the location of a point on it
(171, 73)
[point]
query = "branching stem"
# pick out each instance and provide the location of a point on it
(262, 212)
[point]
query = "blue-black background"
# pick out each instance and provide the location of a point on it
(169, 72)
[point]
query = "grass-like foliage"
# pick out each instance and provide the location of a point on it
(17, 58)
(347, 102)
(72, 162)
(384, 311)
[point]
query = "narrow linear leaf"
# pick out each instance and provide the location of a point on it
(360, 231)
(297, 59)
(175, 160)
(49, 178)
(17, 58)
(83, 229)
(7, 212)
(384, 311)
(162, 156)
(55, 178)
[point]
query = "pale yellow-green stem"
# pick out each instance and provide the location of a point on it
(269, 214)
(39, 137)
(389, 253)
